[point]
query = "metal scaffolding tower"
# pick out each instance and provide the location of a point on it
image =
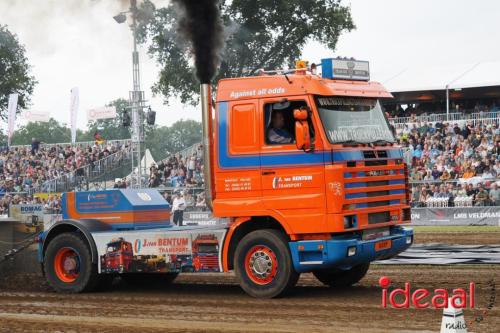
(136, 102)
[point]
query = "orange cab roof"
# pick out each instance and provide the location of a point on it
(268, 86)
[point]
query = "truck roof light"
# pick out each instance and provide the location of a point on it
(301, 64)
(345, 69)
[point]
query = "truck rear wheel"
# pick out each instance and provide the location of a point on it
(263, 264)
(342, 278)
(68, 264)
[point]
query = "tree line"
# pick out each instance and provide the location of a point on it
(161, 140)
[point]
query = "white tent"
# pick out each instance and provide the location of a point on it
(146, 162)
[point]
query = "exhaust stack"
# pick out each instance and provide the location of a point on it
(200, 23)
(206, 115)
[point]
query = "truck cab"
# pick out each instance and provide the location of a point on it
(118, 256)
(317, 155)
(206, 253)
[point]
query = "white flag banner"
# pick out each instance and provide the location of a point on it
(33, 116)
(12, 108)
(106, 112)
(74, 104)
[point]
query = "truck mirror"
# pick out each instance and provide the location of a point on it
(302, 135)
(300, 114)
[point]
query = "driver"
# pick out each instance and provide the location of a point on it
(277, 133)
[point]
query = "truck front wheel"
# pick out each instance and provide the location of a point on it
(342, 278)
(263, 264)
(68, 264)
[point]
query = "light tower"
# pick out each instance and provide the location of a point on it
(136, 99)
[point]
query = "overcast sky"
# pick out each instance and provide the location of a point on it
(76, 43)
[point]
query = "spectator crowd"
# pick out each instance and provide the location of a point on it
(178, 171)
(24, 168)
(453, 161)
(182, 176)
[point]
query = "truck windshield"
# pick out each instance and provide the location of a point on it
(353, 120)
(113, 247)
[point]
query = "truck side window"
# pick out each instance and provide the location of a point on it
(279, 122)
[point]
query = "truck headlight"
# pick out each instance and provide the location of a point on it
(349, 221)
(408, 239)
(351, 251)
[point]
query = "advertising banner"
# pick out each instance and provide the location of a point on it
(34, 116)
(74, 104)
(31, 216)
(456, 216)
(160, 252)
(200, 218)
(106, 112)
(12, 108)
(23, 212)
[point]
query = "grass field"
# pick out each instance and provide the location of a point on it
(446, 228)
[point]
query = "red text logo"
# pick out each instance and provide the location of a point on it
(423, 298)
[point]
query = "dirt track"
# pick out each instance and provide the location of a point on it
(215, 303)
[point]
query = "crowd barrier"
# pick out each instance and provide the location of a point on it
(455, 117)
(80, 143)
(456, 216)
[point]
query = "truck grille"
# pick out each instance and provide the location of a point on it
(209, 261)
(375, 184)
(380, 217)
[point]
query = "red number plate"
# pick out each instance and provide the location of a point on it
(382, 245)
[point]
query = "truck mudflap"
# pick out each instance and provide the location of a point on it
(344, 253)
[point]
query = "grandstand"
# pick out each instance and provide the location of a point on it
(453, 162)
(449, 92)
(446, 118)
(53, 168)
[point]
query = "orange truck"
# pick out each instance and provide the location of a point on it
(301, 170)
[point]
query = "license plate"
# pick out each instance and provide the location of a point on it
(382, 245)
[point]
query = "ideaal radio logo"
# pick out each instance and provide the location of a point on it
(421, 298)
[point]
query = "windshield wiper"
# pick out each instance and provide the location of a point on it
(351, 142)
(386, 142)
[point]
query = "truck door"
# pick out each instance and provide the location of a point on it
(292, 179)
(238, 155)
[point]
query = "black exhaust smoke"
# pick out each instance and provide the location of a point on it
(201, 24)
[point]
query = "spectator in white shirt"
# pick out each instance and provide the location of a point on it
(178, 206)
